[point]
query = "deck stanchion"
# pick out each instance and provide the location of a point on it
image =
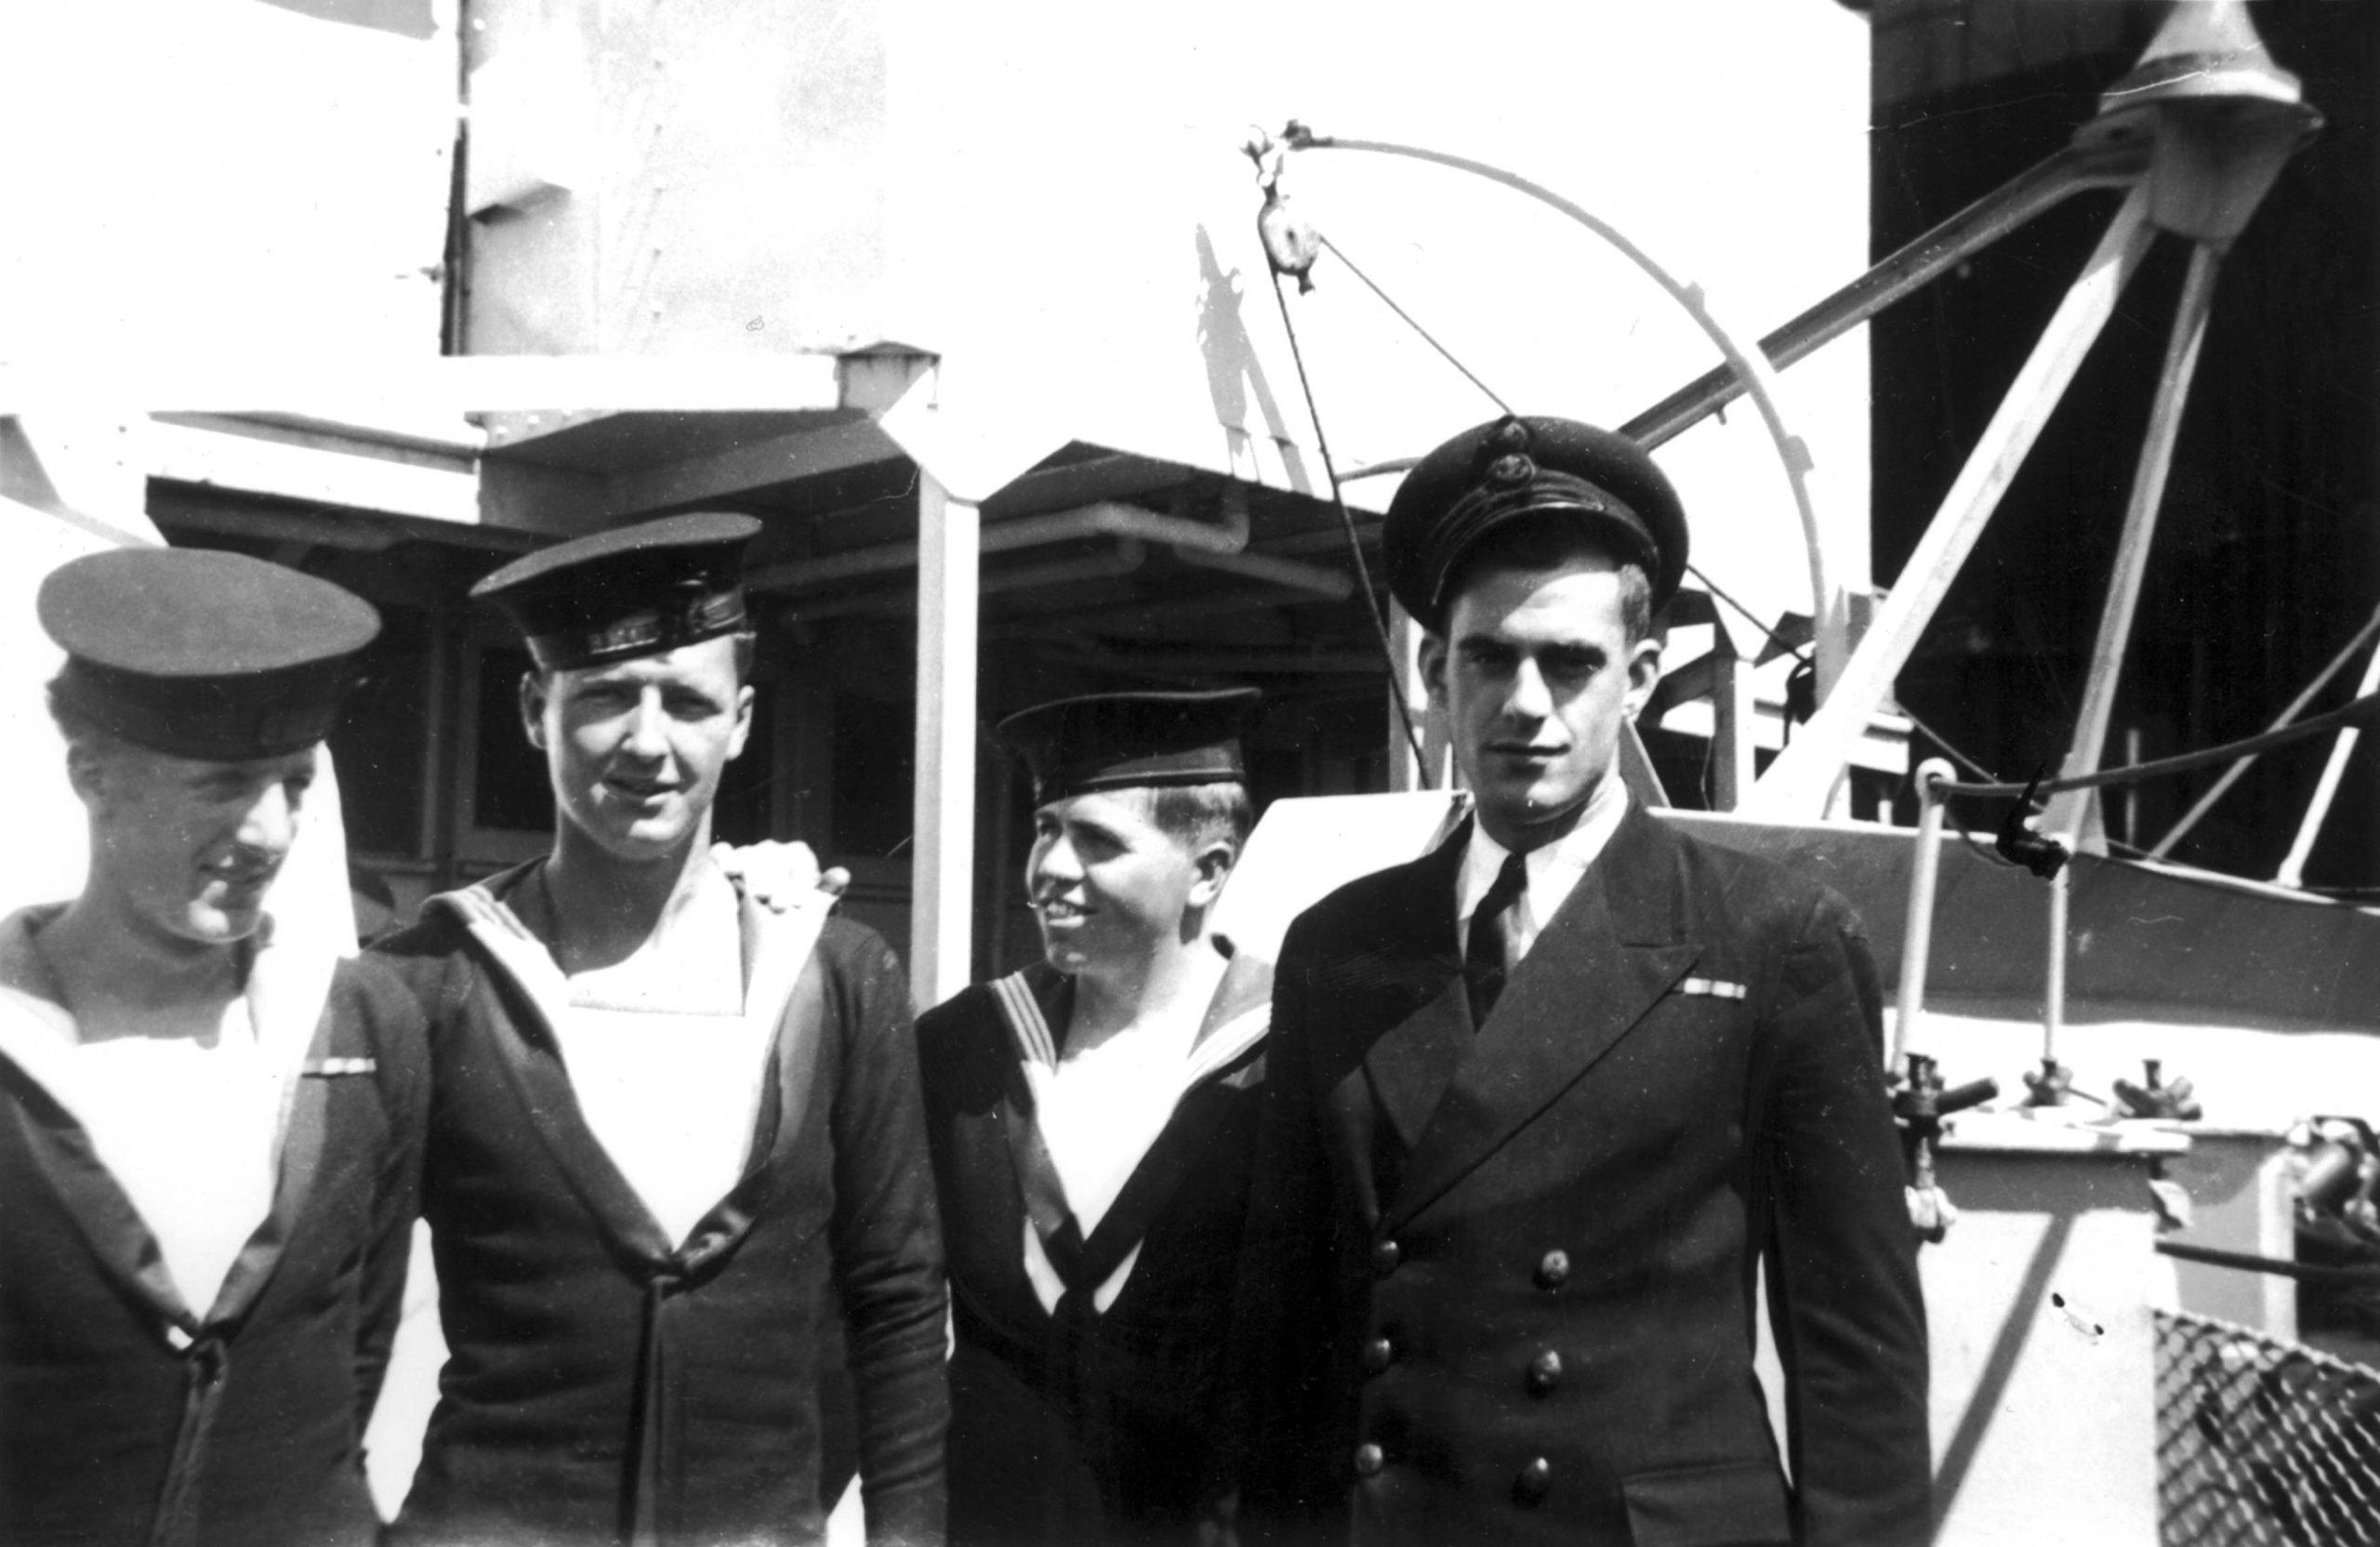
(1917, 936)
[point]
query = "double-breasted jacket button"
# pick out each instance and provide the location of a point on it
(1369, 1460)
(1553, 1269)
(1385, 1256)
(1378, 1354)
(1544, 1372)
(1536, 1480)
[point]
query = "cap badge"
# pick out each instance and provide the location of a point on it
(1511, 471)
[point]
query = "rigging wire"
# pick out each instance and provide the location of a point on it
(1930, 734)
(1354, 543)
(1406, 317)
(1800, 653)
(2355, 711)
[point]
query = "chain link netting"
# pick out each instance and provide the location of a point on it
(2260, 1441)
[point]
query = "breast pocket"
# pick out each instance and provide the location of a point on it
(1732, 1504)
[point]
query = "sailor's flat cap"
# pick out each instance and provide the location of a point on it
(635, 590)
(1516, 467)
(202, 654)
(1105, 741)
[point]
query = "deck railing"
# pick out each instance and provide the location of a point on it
(2262, 1442)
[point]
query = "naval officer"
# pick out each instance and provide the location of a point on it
(1092, 1120)
(206, 1135)
(1542, 1102)
(669, 1125)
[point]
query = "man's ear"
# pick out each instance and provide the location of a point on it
(86, 771)
(1433, 667)
(533, 708)
(1644, 673)
(1214, 863)
(743, 723)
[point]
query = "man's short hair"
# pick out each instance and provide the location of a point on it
(1196, 815)
(81, 732)
(1549, 542)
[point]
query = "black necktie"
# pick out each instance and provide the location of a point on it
(1486, 956)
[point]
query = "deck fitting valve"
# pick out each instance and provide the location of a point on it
(2051, 1085)
(1919, 1103)
(2174, 1102)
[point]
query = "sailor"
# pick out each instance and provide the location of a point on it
(207, 1136)
(668, 1123)
(1543, 1101)
(1091, 1119)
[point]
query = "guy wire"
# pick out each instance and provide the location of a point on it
(1497, 398)
(1406, 318)
(1354, 543)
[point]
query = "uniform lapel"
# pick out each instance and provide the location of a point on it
(92, 1198)
(781, 980)
(286, 994)
(32, 1047)
(1410, 1064)
(1237, 1018)
(288, 991)
(532, 995)
(1240, 1013)
(1033, 1004)
(1601, 962)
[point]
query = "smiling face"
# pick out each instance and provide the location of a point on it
(191, 846)
(1537, 674)
(635, 748)
(1110, 886)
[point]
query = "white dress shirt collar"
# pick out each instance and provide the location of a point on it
(1553, 869)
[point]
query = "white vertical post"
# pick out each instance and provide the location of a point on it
(1405, 773)
(2061, 891)
(943, 869)
(1433, 771)
(1917, 937)
(1734, 720)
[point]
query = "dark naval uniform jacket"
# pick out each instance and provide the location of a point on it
(1501, 1284)
(131, 1418)
(1083, 1426)
(606, 1384)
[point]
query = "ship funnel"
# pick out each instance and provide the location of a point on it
(2222, 116)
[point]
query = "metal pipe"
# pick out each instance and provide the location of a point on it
(1102, 518)
(1799, 783)
(2076, 169)
(2061, 891)
(1332, 585)
(1917, 936)
(1123, 559)
(1220, 661)
(2281, 721)
(2068, 813)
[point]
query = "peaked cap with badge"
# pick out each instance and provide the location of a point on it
(1535, 467)
(635, 590)
(202, 654)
